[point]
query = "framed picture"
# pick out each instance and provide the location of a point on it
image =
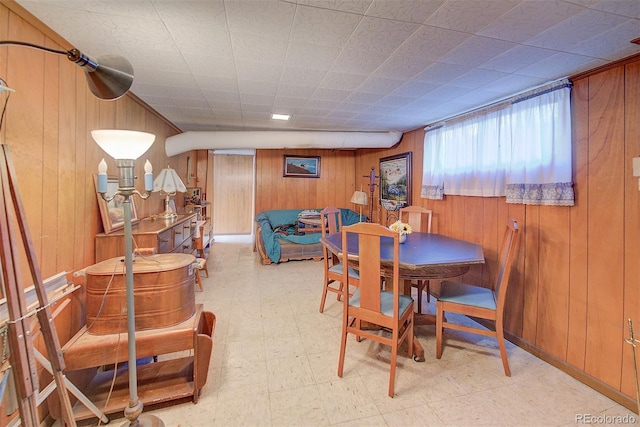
(395, 181)
(112, 212)
(193, 196)
(301, 166)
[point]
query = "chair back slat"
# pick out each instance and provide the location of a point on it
(369, 241)
(506, 257)
(417, 217)
(330, 220)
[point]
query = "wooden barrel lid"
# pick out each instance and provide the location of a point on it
(142, 264)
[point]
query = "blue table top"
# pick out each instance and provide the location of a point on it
(422, 255)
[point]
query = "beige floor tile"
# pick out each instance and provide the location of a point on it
(347, 399)
(275, 360)
(298, 407)
(289, 372)
(420, 415)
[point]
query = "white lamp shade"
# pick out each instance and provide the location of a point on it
(359, 198)
(168, 181)
(123, 144)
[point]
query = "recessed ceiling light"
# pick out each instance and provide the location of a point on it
(280, 116)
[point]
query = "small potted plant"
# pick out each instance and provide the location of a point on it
(402, 228)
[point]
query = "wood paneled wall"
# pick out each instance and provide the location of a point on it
(577, 277)
(48, 126)
(334, 187)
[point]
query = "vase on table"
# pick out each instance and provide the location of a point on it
(403, 238)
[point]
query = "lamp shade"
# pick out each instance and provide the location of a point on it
(169, 182)
(359, 198)
(109, 77)
(123, 144)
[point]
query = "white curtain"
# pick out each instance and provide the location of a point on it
(521, 151)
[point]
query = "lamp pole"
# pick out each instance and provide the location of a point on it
(117, 143)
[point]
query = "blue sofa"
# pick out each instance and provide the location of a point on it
(277, 239)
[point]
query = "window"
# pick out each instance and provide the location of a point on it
(520, 149)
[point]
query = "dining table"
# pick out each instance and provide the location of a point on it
(423, 256)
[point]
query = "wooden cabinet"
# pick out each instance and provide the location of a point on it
(166, 237)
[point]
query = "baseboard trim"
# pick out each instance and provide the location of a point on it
(605, 389)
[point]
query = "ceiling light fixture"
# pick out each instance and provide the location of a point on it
(280, 116)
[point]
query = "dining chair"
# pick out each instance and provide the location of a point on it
(480, 302)
(391, 310)
(331, 223)
(419, 219)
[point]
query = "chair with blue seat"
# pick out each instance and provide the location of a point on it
(389, 309)
(331, 223)
(479, 302)
(419, 219)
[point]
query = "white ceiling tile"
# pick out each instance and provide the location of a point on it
(517, 58)
(202, 14)
(297, 76)
(258, 71)
(575, 29)
(271, 19)
(261, 88)
(380, 85)
(529, 18)
(476, 50)
(629, 8)
(552, 69)
(342, 81)
(326, 94)
(322, 58)
(249, 47)
(414, 88)
(477, 78)
(294, 91)
(431, 43)
(469, 16)
(213, 83)
(312, 56)
(406, 10)
(399, 68)
(354, 6)
(199, 41)
(441, 72)
(380, 35)
(358, 61)
(612, 44)
(215, 66)
(323, 27)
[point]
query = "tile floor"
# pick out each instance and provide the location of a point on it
(275, 358)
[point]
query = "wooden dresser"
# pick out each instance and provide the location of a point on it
(175, 236)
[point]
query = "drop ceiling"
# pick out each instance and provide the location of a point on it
(341, 65)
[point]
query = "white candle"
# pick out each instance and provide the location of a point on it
(148, 176)
(102, 176)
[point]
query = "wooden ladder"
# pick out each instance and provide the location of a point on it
(23, 357)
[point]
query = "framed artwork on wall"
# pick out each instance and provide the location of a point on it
(301, 166)
(112, 212)
(395, 181)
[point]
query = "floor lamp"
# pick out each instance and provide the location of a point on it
(125, 146)
(359, 198)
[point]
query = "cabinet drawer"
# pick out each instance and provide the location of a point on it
(185, 247)
(165, 242)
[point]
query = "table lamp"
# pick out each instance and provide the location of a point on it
(168, 182)
(359, 198)
(125, 146)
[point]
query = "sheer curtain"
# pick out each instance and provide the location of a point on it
(521, 149)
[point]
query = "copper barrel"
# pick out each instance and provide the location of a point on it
(164, 293)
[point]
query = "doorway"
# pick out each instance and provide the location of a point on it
(233, 182)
